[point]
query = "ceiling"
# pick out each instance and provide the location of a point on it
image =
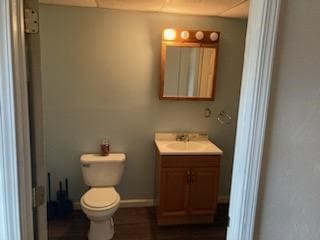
(222, 8)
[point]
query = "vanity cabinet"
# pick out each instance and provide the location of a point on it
(186, 188)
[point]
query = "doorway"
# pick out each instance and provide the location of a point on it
(269, 76)
(83, 75)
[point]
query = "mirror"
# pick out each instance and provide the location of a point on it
(188, 66)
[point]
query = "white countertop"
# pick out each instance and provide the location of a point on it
(167, 145)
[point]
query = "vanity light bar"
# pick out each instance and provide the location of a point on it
(194, 36)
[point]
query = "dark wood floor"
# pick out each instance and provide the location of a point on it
(140, 224)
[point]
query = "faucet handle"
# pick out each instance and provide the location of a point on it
(182, 137)
(179, 137)
(186, 138)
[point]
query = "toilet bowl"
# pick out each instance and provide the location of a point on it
(99, 204)
(101, 173)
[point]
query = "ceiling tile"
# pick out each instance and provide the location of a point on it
(224, 8)
(80, 3)
(199, 7)
(240, 11)
(140, 5)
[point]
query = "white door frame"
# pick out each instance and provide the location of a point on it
(15, 171)
(253, 108)
(15, 160)
(15, 164)
(9, 201)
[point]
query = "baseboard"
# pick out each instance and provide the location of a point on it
(137, 203)
(126, 203)
(145, 202)
(76, 206)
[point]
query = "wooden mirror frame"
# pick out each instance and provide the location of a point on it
(190, 42)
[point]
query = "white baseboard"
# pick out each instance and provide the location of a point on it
(137, 203)
(145, 202)
(126, 203)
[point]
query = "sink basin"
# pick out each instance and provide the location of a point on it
(198, 144)
(186, 146)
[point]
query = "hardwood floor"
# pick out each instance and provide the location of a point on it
(140, 224)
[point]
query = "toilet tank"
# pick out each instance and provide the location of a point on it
(100, 171)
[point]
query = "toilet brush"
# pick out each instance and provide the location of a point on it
(68, 202)
(52, 206)
(61, 198)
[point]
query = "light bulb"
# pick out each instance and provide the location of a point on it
(199, 35)
(184, 35)
(169, 34)
(214, 36)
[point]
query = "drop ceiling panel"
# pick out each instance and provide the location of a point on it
(79, 3)
(240, 11)
(224, 8)
(200, 7)
(140, 5)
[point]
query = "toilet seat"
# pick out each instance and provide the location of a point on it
(99, 198)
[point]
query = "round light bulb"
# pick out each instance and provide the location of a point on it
(214, 36)
(184, 35)
(199, 35)
(169, 34)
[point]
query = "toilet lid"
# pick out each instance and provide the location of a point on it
(100, 197)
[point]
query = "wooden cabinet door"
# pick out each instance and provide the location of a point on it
(203, 191)
(174, 192)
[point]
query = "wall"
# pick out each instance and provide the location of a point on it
(290, 194)
(100, 78)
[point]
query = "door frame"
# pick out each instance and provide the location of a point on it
(15, 166)
(15, 159)
(261, 42)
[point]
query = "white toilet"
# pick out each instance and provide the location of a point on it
(101, 173)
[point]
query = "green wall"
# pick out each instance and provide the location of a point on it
(100, 73)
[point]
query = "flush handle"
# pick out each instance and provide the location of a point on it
(86, 165)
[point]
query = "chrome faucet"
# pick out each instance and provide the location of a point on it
(182, 137)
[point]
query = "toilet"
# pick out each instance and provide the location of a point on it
(101, 201)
